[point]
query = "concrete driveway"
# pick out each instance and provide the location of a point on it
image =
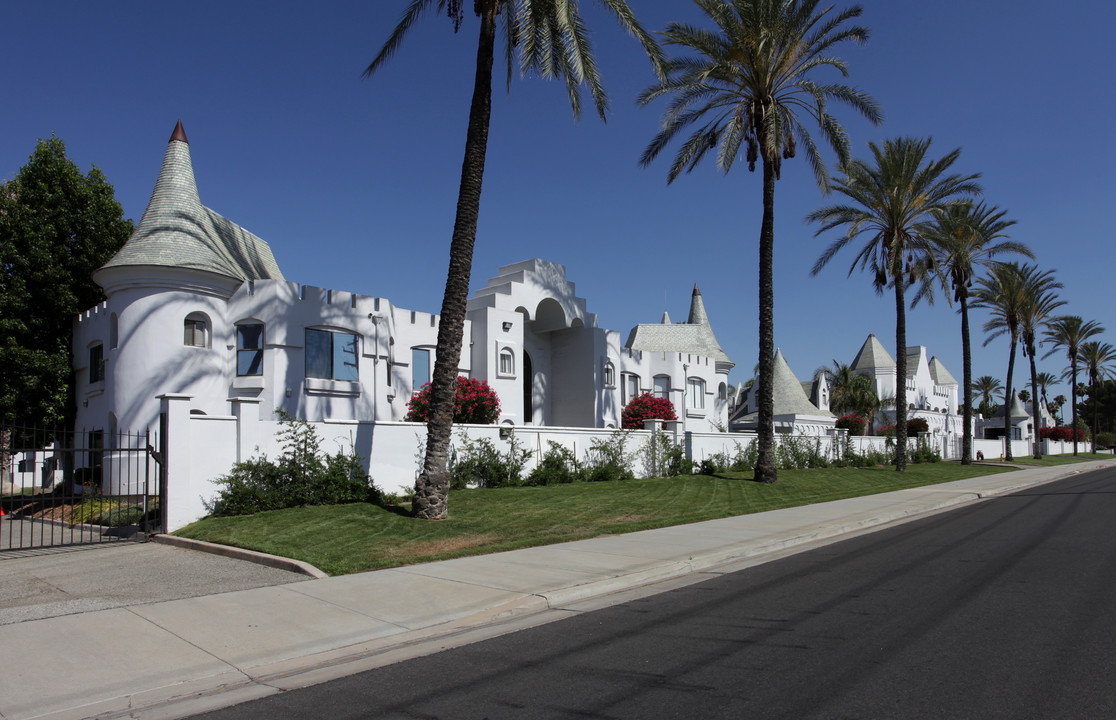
(49, 582)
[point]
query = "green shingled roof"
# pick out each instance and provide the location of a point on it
(178, 231)
(695, 336)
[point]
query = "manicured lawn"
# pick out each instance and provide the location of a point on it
(344, 539)
(1051, 460)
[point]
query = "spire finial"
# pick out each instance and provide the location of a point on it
(696, 291)
(179, 133)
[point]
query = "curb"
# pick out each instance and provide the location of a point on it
(275, 561)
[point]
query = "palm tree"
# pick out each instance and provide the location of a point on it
(964, 238)
(987, 386)
(1069, 333)
(747, 86)
(1098, 359)
(1045, 380)
(1056, 407)
(1005, 293)
(1041, 302)
(552, 41)
(891, 201)
(851, 392)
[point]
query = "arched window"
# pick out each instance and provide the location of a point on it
(195, 330)
(609, 374)
(507, 362)
(631, 387)
(695, 394)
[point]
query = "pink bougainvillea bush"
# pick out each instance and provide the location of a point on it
(1063, 433)
(476, 403)
(646, 407)
(853, 423)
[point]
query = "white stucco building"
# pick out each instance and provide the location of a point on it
(197, 306)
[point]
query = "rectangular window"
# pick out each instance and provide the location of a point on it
(695, 394)
(193, 333)
(662, 387)
(96, 363)
(332, 355)
(420, 368)
(249, 349)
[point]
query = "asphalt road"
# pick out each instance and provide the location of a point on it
(999, 610)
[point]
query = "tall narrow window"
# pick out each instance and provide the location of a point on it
(420, 367)
(96, 363)
(249, 349)
(195, 331)
(609, 374)
(662, 386)
(631, 388)
(695, 394)
(332, 355)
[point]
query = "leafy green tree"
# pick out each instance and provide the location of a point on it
(1068, 333)
(551, 39)
(745, 91)
(1098, 360)
(57, 225)
(891, 201)
(965, 238)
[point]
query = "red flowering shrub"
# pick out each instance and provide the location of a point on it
(853, 423)
(476, 403)
(886, 430)
(916, 426)
(646, 407)
(1062, 433)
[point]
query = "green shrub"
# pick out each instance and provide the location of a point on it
(662, 457)
(744, 459)
(608, 460)
(1106, 440)
(300, 477)
(559, 465)
(480, 464)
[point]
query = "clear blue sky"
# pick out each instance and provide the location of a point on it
(353, 182)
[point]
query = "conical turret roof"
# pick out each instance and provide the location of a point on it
(178, 231)
(694, 336)
(872, 356)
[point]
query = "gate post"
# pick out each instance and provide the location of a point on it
(175, 407)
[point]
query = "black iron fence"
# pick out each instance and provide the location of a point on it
(69, 487)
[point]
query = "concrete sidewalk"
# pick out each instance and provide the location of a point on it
(180, 657)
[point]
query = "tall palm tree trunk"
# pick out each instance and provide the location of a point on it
(1007, 398)
(432, 487)
(765, 462)
(900, 374)
(1035, 406)
(1073, 401)
(967, 379)
(1096, 404)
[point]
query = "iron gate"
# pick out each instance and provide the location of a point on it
(65, 487)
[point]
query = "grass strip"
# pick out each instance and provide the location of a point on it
(343, 539)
